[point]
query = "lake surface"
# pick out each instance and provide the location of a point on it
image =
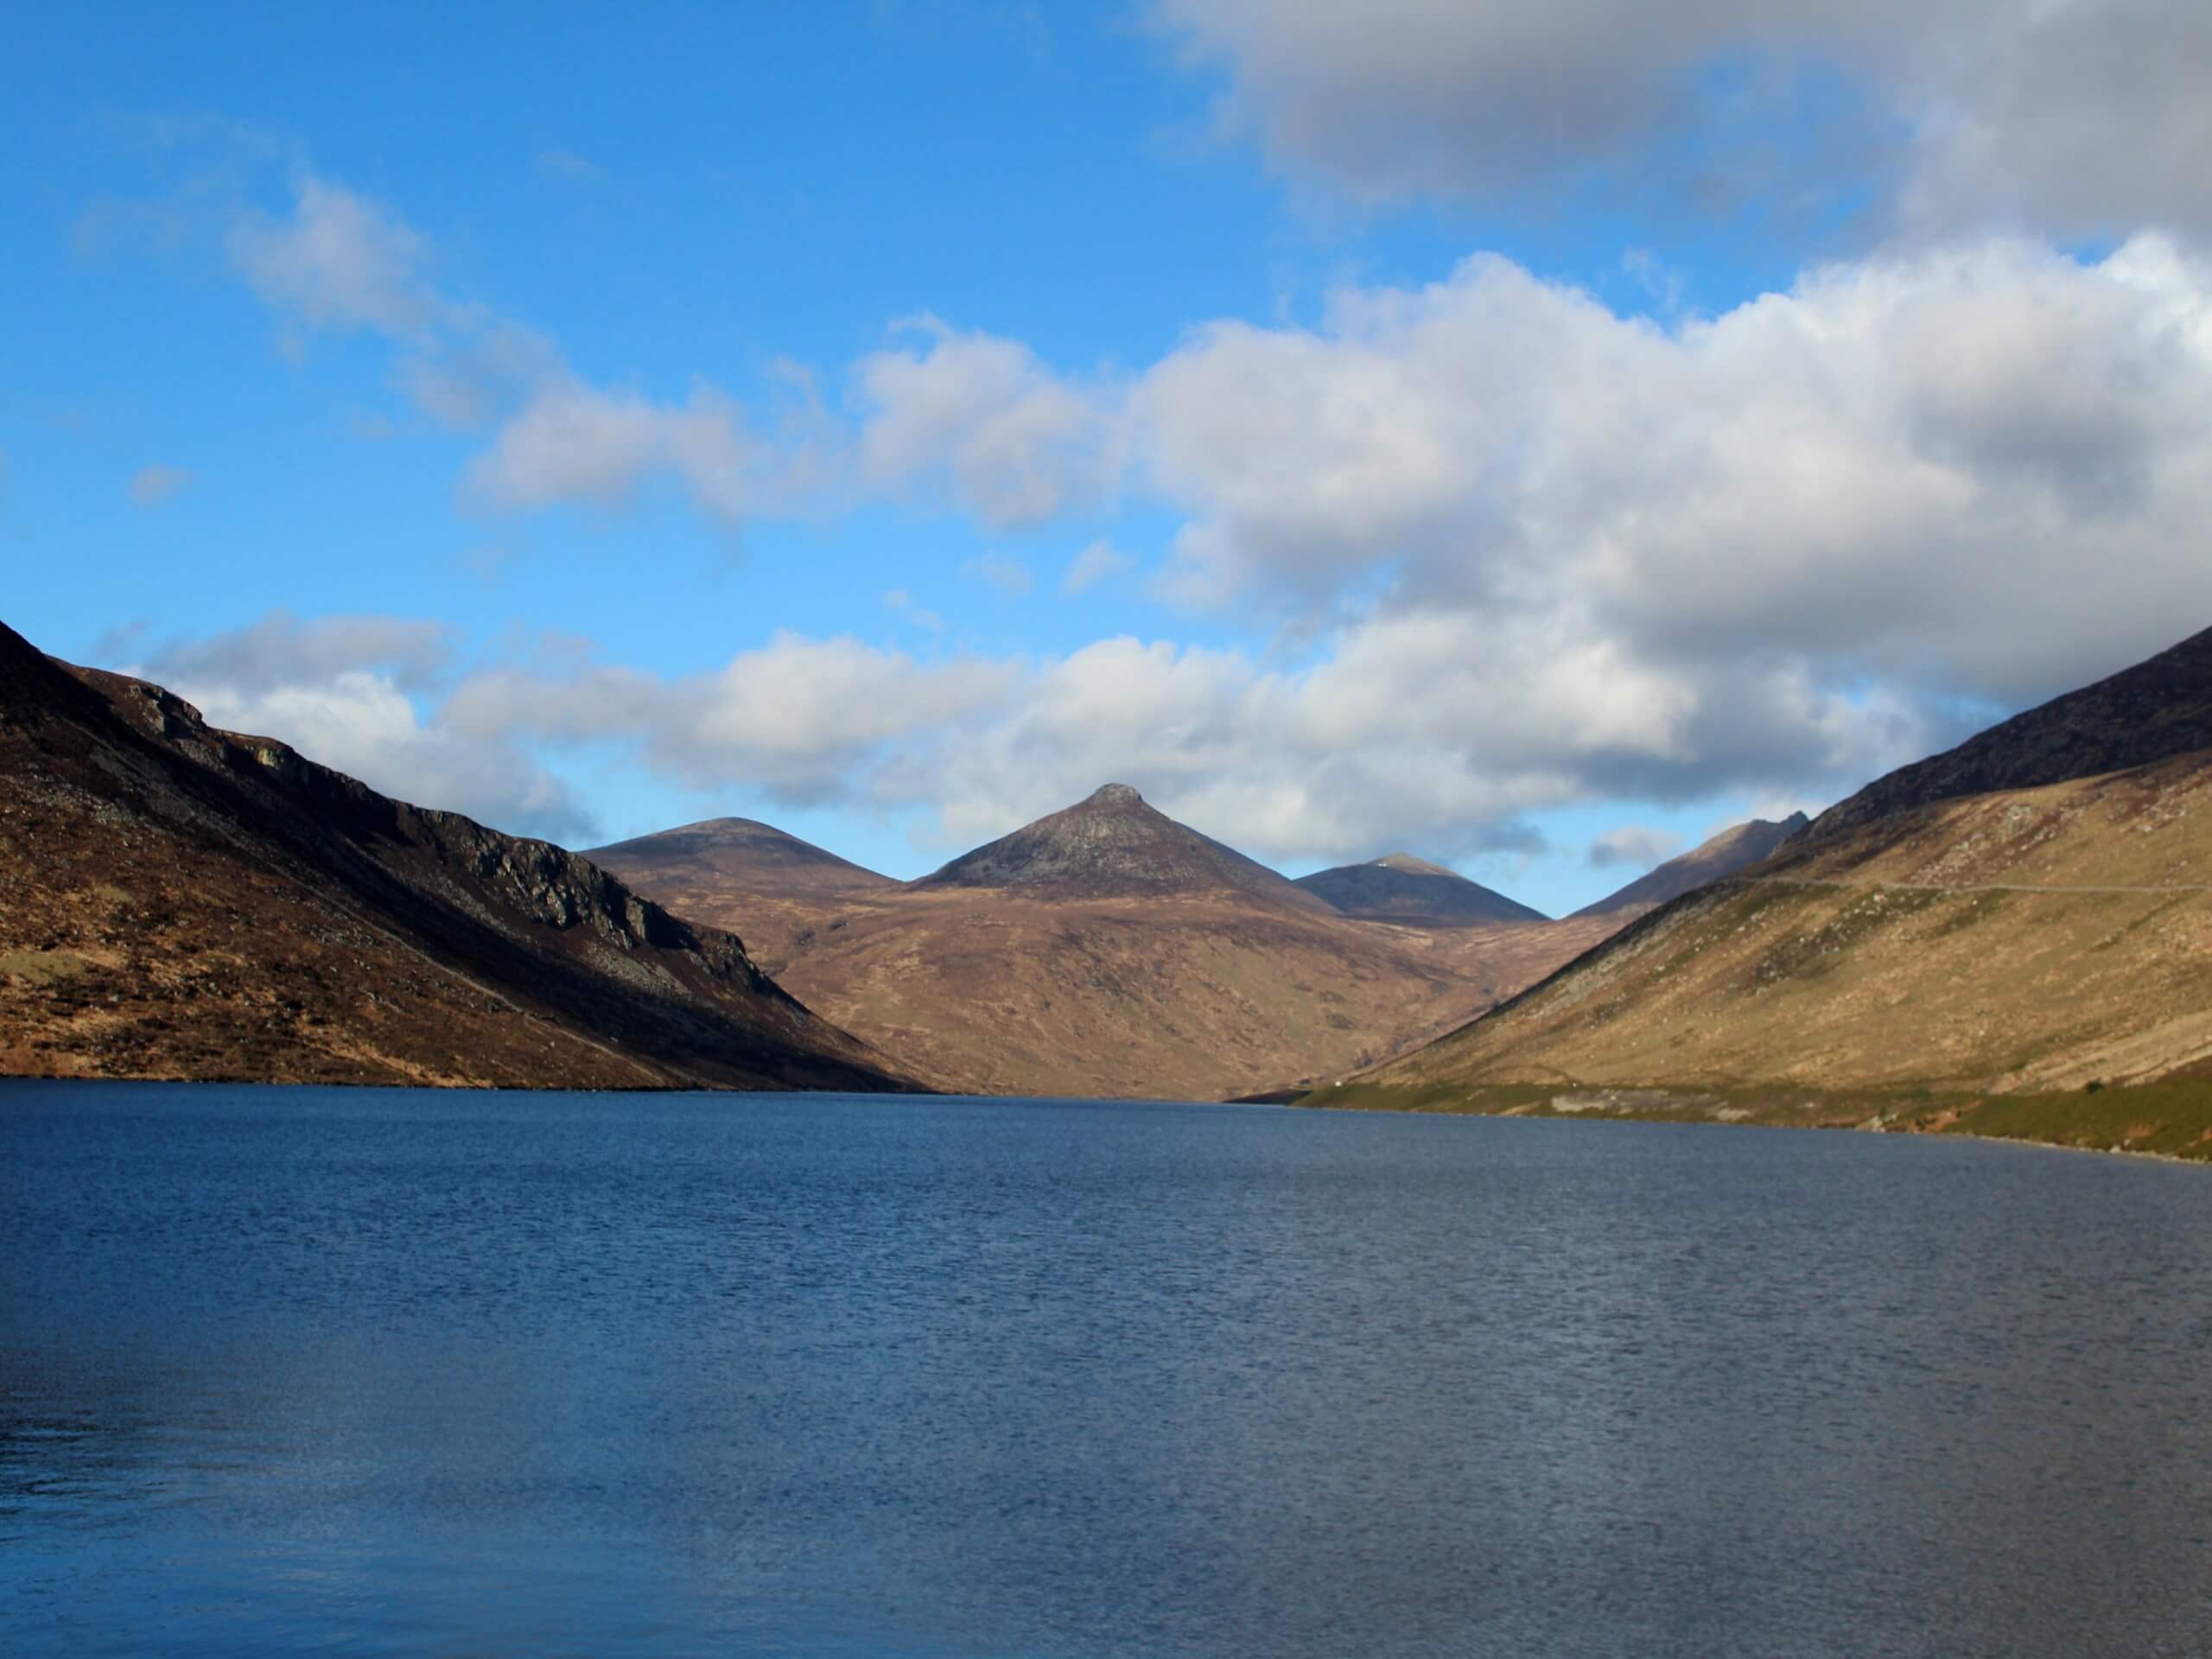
(378, 1372)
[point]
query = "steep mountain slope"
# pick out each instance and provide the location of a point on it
(1402, 888)
(1732, 849)
(1917, 939)
(1107, 950)
(2158, 708)
(181, 901)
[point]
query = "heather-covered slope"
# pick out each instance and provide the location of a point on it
(1915, 945)
(1402, 888)
(181, 901)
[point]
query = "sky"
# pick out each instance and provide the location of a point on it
(1531, 437)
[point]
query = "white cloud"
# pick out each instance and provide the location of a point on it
(151, 486)
(340, 261)
(1634, 844)
(1926, 468)
(804, 719)
(574, 444)
(342, 690)
(2076, 116)
(1100, 561)
(982, 419)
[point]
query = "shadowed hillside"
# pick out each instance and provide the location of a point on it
(178, 901)
(1402, 888)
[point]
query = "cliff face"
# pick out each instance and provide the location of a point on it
(179, 901)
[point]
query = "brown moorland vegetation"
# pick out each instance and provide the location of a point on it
(178, 901)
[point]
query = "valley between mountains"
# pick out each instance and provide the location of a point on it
(2013, 937)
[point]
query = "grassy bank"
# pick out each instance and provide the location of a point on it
(2172, 1118)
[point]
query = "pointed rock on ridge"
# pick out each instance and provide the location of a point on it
(1732, 849)
(1399, 888)
(1114, 845)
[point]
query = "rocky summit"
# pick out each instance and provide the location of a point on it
(181, 901)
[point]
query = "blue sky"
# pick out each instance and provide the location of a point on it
(1527, 443)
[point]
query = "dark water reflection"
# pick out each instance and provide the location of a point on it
(358, 1372)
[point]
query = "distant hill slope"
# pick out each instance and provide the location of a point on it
(743, 852)
(1106, 949)
(1402, 888)
(1916, 938)
(181, 901)
(1113, 845)
(1732, 849)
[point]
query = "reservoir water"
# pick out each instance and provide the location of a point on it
(372, 1372)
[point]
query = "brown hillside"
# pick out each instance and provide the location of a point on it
(1914, 942)
(1108, 951)
(178, 901)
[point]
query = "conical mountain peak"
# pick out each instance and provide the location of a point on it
(1113, 845)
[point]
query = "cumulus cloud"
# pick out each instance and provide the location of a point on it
(802, 719)
(2083, 116)
(1925, 468)
(982, 419)
(344, 691)
(1634, 844)
(151, 486)
(574, 443)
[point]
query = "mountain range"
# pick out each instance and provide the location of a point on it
(1104, 949)
(2021, 917)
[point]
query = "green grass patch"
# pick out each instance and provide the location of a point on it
(2173, 1118)
(42, 968)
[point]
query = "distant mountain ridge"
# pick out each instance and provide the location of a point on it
(1734, 848)
(1114, 845)
(1400, 888)
(177, 901)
